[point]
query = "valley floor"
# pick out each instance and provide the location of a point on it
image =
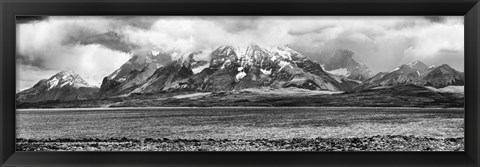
(240, 128)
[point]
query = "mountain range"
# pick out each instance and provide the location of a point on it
(234, 68)
(65, 85)
(230, 68)
(416, 73)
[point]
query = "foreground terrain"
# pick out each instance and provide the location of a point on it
(251, 128)
(374, 143)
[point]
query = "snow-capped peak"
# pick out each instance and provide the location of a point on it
(65, 73)
(414, 63)
(65, 78)
(417, 65)
(254, 55)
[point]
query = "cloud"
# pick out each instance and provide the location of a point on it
(387, 42)
(234, 24)
(300, 32)
(52, 45)
(96, 46)
(28, 75)
(29, 19)
(437, 19)
(183, 34)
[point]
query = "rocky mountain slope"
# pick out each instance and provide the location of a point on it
(235, 68)
(341, 62)
(134, 72)
(441, 76)
(65, 85)
(416, 73)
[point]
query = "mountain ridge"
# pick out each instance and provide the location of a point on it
(416, 73)
(234, 68)
(65, 85)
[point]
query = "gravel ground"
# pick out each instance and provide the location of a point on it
(374, 143)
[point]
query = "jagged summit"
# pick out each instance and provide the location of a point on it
(441, 76)
(135, 71)
(232, 68)
(418, 65)
(415, 66)
(446, 67)
(341, 62)
(251, 55)
(64, 78)
(416, 73)
(65, 85)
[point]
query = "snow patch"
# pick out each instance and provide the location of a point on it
(121, 79)
(226, 62)
(283, 64)
(114, 74)
(273, 58)
(65, 83)
(413, 63)
(192, 95)
(281, 52)
(381, 87)
(155, 53)
(266, 72)
(395, 69)
(52, 83)
(199, 69)
(158, 65)
(240, 75)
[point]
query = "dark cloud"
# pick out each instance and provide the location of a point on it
(235, 25)
(34, 61)
(241, 26)
(28, 19)
(405, 25)
(110, 40)
(436, 19)
(144, 22)
(449, 51)
(300, 32)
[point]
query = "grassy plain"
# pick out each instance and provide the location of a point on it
(248, 123)
(241, 129)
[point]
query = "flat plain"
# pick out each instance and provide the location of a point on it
(194, 129)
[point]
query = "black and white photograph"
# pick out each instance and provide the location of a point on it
(240, 83)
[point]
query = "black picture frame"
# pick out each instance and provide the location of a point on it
(11, 8)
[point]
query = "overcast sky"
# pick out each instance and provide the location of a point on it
(47, 45)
